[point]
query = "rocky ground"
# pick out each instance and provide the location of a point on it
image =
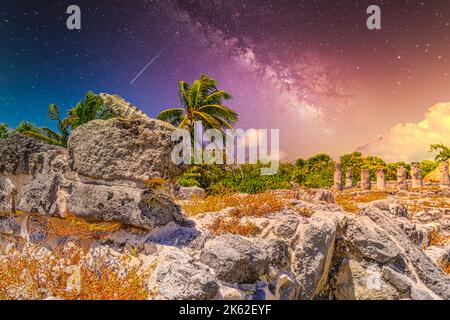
(100, 220)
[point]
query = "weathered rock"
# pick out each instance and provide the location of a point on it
(189, 193)
(132, 149)
(363, 281)
(417, 294)
(318, 196)
(286, 226)
(179, 277)
(286, 288)
(398, 280)
(235, 259)
(7, 196)
(392, 206)
(134, 206)
(121, 108)
(430, 274)
(276, 250)
(369, 240)
(9, 226)
(416, 233)
(312, 255)
(44, 193)
(16, 152)
(438, 254)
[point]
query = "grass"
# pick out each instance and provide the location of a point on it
(233, 225)
(445, 265)
(244, 205)
(437, 239)
(349, 201)
(76, 227)
(31, 276)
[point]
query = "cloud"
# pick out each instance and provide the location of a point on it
(411, 141)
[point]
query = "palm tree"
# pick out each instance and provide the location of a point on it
(201, 101)
(4, 131)
(444, 151)
(90, 108)
(44, 134)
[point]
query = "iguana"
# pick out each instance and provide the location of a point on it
(121, 108)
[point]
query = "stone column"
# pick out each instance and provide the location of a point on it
(365, 179)
(349, 178)
(402, 184)
(381, 179)
(416, 176)
(338, 176)
(445, 179)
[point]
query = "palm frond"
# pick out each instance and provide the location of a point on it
(42, 137)
(220, 111)
(211, 122)
(184, 123)
(184, 93)
(173, 116)
(216, 97)
(53, 112)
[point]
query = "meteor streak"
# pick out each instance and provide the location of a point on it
(150, 63)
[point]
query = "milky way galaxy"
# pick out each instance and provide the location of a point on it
(310, 68)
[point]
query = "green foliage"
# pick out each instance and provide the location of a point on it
(427, 166)
(245, 178)
(201, 101)
(391, 170)
(315, 172)
(90, 108)
(443, 152)
(357, 161)
(300, 163)
(4, 131)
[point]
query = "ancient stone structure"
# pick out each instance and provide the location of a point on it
(365, 179)
(381, 179)
(445, 179)
(338, 177)
(402, 184)
(349, 178)
(416, 176)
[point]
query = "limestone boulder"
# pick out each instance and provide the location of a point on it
(47, 192)
(362, 280)
(312, 256)
(7, 196)
(392, 206)
(179, 277)
(189, 193)
(131, 149)
(134, 206)
(16, 152)
(370, 241)
(426, 269)
(235, 259)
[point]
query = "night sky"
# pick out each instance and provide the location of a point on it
(310, 68)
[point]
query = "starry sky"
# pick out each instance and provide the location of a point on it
(309, 68)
